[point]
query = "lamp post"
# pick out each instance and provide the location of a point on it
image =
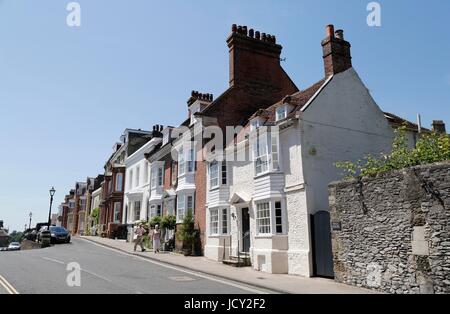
(31, 215)
(52, 192)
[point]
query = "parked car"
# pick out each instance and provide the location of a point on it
(59, 235)
(3, 249)
(14, 246)
(39, 233)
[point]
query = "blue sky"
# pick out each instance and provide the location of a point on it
(66, 94)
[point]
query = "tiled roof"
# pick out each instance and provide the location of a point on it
(297, 100)
(397, 121)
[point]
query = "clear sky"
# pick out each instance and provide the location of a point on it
(66, 94)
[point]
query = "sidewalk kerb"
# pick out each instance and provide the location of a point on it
(256, 285)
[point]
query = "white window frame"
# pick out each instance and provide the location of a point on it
(225, 221)
(181, 208)
(263, 218)
(214, 175)
(214, 219)
(118, 188)
(261, 154)
(181, 162)
(117, 210)
(187, 204)
(160, 176)
(281, 113)
(266, 152)
(137, 216)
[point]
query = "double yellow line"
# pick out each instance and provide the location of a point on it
(8, 287)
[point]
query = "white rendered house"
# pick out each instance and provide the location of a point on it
(137, 186)
(274, 205)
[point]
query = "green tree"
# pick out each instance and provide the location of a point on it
(430, 148)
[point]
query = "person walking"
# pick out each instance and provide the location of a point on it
(139, 234)
(156, 237)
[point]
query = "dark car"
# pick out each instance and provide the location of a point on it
(59, 235)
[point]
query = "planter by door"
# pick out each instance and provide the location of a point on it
(245, 230)
(321, 239)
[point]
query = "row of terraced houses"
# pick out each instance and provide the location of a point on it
(270, 208)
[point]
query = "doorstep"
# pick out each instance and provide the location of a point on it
(279, 283)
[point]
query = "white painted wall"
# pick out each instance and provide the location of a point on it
(342, 124)
(138, 189)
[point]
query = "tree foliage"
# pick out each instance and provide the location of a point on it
(430, 148)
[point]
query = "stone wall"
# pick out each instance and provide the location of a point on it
(391, 233)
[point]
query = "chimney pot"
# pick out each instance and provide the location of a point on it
(274, 38)
(336, 52)
(330, 31)
(244, 29)
(264, 37)
(234, 28)
(240, 29)
(339, 34)
(258, 35)
(251, 33)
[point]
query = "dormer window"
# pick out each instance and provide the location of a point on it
(281, 113)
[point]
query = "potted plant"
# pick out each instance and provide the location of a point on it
(187, 233)
(168, 223)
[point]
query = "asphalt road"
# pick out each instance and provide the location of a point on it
(103, 270)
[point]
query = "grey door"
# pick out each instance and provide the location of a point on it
(321, 239)
(245, 230)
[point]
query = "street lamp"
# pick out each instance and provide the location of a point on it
(52, 193)
(31, 215)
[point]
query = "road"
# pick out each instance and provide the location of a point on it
(102, 270)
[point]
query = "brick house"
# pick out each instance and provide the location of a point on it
(256, 80)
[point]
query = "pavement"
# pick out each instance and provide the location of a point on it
(273, 283)
(85, 267)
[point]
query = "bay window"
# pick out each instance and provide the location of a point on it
(156, 177)
(217, 174)
(160, 176)
(269, 218)
(224, 221)
(190, 204)
(181, 162)
(191, 160)
(180, 208)
(117, 210)
(137, 210)
(266, 152)
(263, 218)
(214, 225)
(185, 204)
(218, 221)
(214, 175)
(155, 210)
(119, 182)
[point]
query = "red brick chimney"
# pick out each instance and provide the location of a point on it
(254, 56)
(336, 52)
